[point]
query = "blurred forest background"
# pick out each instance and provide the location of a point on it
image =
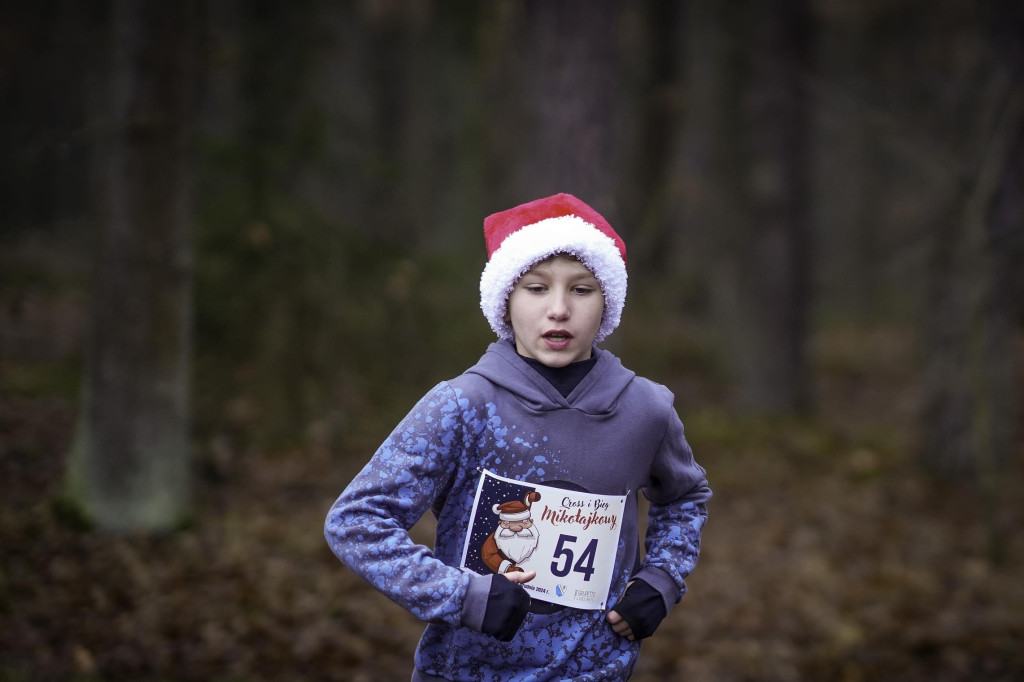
(239, 239)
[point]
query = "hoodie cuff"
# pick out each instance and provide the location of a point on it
(663, 583)
(643, 608)
(474, 606)
(507, 606)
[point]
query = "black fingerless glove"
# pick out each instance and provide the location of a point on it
(507, 606)
(643, 608)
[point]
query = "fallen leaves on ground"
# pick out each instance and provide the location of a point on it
(827, 558)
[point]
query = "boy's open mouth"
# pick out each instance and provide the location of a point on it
(557, 335)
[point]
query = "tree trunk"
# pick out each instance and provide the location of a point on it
(663, 245)
(849, 175)
(1005, 233)
(969, 389)
(129, 464)
(573, 68)
(970, 416)
(778, 239)
(706, 168)
(755, 201)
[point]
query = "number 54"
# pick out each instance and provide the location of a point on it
(564, 558)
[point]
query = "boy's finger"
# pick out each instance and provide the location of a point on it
(521, 576)
(619, 625)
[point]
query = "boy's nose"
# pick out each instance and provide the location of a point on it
(559, 307)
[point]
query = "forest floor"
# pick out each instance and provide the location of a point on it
(828, 556)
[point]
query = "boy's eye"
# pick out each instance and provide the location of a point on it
(535, 288)
(582, 290)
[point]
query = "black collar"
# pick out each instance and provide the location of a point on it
(564, 379)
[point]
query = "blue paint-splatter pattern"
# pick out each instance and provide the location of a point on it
(433, 460)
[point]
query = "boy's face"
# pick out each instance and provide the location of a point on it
(555, 311)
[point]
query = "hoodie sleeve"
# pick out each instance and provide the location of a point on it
(367, 527)
(678, 492)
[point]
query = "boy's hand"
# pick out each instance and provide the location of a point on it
(638, 613)
(520, 577)
(507, 605)
(619, 625)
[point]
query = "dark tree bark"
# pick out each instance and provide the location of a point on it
(571, 55)
(45, 101)
(970, 413)
(747, 173)
(1005, 233)
(708, 168)
(129, 464)
(1004, 229)
(849, 178)
(652, 193)
(777, 264)
(970, 376)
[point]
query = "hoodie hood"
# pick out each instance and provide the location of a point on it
(596, 394)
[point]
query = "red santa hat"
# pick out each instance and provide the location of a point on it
(516, 510)
(520, 237)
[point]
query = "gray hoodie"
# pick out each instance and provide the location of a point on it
(614, 434)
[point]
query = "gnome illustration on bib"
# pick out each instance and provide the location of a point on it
(515, 539)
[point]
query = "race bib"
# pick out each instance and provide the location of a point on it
(570, 538)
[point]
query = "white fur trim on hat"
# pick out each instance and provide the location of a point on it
(531, 244)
